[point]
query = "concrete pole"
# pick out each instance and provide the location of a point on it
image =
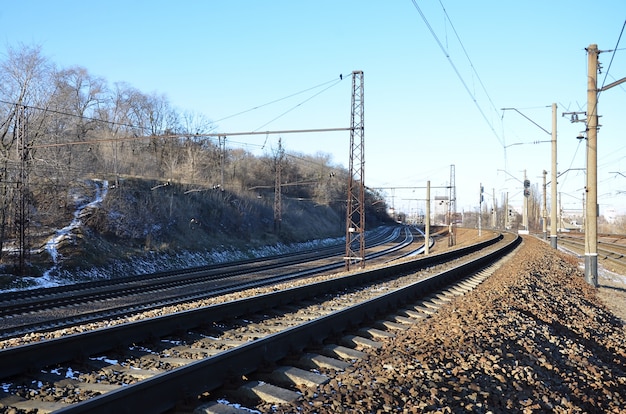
(427, 220)
(544, 214)
(525, 208)
(591, 230)
(553, 189)
(584, 212)
(494, 217)
(560, 212)
(480, 211)
(507, 217)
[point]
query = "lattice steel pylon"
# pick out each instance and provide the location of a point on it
(22, 218)
(355, 209)
(278, 203)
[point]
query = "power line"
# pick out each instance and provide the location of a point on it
(572, 162)
(53, 111)
(296, 106)
(57, 112)
(208, 135)
(280, 99)
(612, 56)
(458, 74)
(468, 58)
(598, 91)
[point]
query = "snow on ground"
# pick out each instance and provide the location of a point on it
(602, 272)
(157, 262)
(149, 263)
(52, 245)
(611, 276)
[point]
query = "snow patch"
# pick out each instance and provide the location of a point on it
(159, 261)
(83, 206)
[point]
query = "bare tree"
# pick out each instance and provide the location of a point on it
(24, 79)
(79, 95)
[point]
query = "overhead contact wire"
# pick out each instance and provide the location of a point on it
(457, 72)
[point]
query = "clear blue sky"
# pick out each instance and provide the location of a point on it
(429, 101)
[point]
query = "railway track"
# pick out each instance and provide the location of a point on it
(151, 365)
(43, 310)
(611, 247)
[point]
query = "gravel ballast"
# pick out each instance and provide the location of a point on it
(534, 337)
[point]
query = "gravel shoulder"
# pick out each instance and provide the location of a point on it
(534, 337)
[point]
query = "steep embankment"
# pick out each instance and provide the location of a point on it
(142, 226)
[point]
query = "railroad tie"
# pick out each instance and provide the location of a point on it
(451, 292)
(132, 372)
(360, 342)
(175, 362)
(438, 301)
(215, 407)
(269, 393)
(429, 304)
(43, 407)
(296, 376)
(470, 283)
(86, 386)
(391, 325)
(315, 361)
(444, 297)
(403, 320)
(343, 352)
(458, 290)
(374, 333)
(423, 309)
(412, 313)
(194, 352)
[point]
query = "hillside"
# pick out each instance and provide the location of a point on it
(172, 184)
(141, 225)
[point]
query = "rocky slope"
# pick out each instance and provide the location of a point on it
(532, 338)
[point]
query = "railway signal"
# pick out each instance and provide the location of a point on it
(526, 188)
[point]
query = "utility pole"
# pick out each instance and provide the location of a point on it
(525, 204)
(591, 224)
(507, 218)
(584, 212)
(452, 208)
(480, 210)
(591, 231)
(427, 221)
(553, 204)
(560, 211)
(494, 216)
(544, 214)
(355, 210)
(553, 189)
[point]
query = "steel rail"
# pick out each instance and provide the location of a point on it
(608, 251)
(33, 356)
(156, 394)
(32, 299)
(92, 316)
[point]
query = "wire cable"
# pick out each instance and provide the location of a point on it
(57, 112)
(612, 56)
(468, 58)
(571, 162)
(73, 115)
(280, 99)
(458, 74)
(296, 106)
